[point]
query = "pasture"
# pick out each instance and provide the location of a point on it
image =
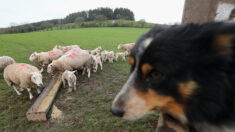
(88, 108)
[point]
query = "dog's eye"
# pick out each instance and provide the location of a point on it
(156, 74)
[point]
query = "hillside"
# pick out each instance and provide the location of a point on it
(108, 23)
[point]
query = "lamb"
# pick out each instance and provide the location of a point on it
(104, 55)
(23, 75)
(44, 58)
(70, 77)
(5, 61)
(122, 54)
(75, 60)
(126, 47)
(110, 56)
(89, 64)
(98, 61)
(96, 51)
(93, 62)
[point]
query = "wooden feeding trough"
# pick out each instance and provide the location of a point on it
(38, 111)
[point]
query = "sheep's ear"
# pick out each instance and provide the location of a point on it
(41, 70)
(223, 43)
(74, 71)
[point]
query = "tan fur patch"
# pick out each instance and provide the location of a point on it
(131, 61)
(146, 68)
(163, 103)
(223, 43)
(186, 89)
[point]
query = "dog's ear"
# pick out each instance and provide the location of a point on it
(224, 39)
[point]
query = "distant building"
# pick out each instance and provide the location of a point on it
(199, 11)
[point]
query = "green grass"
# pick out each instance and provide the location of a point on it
(86, 109)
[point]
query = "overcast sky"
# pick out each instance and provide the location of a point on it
(27, 11)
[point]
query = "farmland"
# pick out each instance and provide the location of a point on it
(86, 109)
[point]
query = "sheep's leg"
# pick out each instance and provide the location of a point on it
(30, 93)
(89, 72)
(101, 66)
(96, 67)
(123, 58)
(70, 87)
(18, 93)
(64, 82)
(84, 71)
(38, 91)
(74, 86)
(9, 83)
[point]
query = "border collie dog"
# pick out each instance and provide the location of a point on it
(185, 71)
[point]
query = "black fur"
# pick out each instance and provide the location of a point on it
(182, 53)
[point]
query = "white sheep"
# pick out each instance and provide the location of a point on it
(90, 63)
(104, 55)
(23, 75)
(73, 61)
(96, 50)
(110, 56)
(93, 63)
(122, 54)
(126, 47)
(98, 61)
(5, 61)
(70, 77)
(44, 58)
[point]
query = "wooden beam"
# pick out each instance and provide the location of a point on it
(38, 111)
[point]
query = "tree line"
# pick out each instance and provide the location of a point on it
(99, 14)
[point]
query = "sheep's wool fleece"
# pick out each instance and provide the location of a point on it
(5, 61)
(18, 74)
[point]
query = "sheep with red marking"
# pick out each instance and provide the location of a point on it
(70, 78)
(44, 58)
(5, 61)
(23, 75)
(126, 47)
(74, 60)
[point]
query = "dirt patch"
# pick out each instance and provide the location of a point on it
(56, 114)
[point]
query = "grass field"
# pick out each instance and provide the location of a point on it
(86, 109)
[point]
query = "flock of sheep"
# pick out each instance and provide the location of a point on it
(64, 59)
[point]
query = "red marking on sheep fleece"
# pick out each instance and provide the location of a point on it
(72, 55)
(77, 52)
(21, 64)
(52, 53)
(133, 44)
(97, 59)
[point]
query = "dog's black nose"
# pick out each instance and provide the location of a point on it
(117, 112)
